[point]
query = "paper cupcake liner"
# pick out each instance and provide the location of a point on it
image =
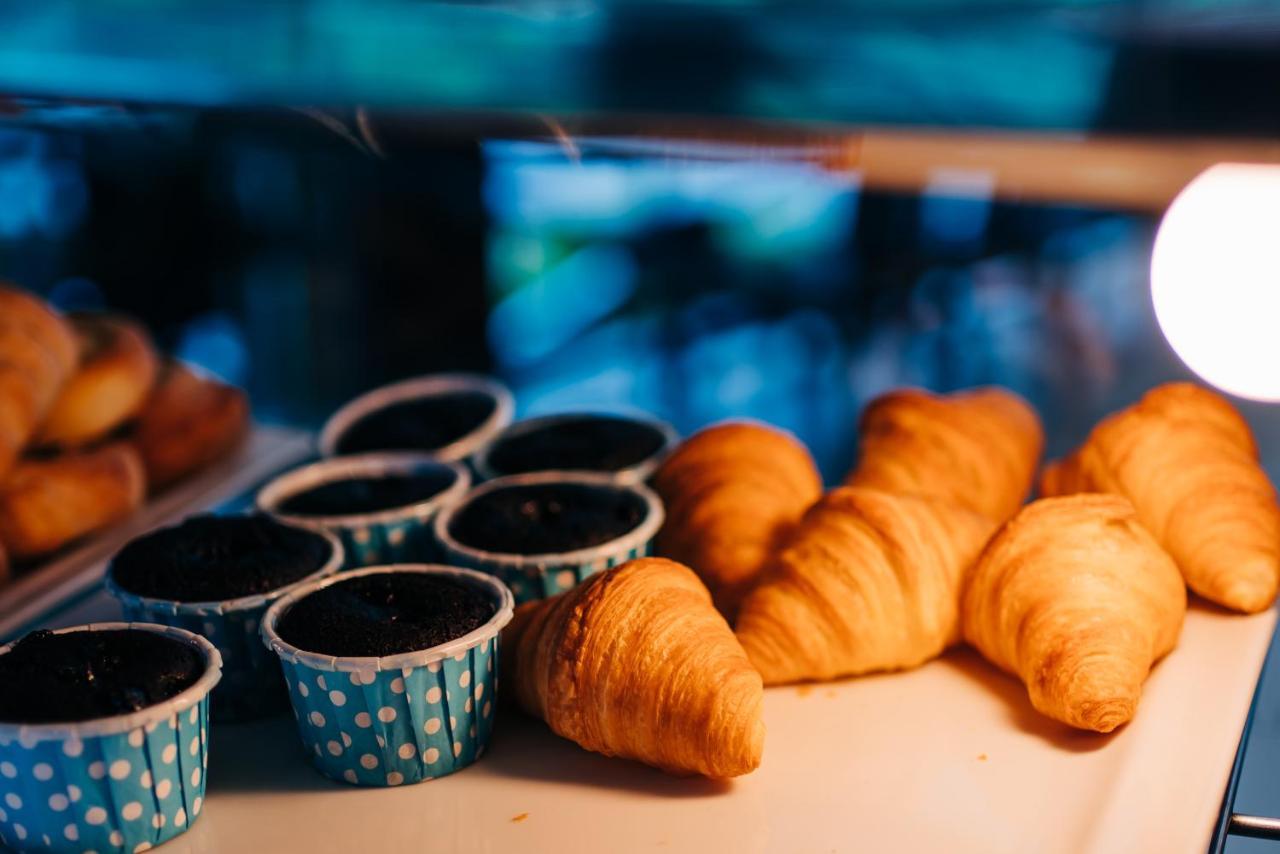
(403, 718)
(252, 686)
(124, 783)
(636, 473)
(538, 576)
(401, 535)
(426, 386)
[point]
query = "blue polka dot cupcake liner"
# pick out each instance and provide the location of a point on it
(120, 784)
(401, 535)
(538, 576)
(425, 386)
(251, 686)
(400, 719)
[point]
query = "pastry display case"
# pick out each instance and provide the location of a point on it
(695, 346)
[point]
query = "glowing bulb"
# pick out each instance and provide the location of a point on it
(1215, 278)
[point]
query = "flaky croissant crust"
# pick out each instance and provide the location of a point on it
(1075, 597)
(635, 662)
(869, 582)
(733, 493)
(1188, 462)
(977, 448)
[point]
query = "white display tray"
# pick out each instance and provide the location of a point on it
(76, 570)
(950, 757)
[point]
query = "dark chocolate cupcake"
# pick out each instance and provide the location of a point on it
(629, 448)
(216, 575)
(379, 505)
(49, 677)
(112, 717)
(543, 533)
(448, 416)
(392, 670)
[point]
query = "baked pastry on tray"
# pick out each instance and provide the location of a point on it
(189, 421)
(1075, 597)
(977, 448)
(117, 368)
(47, 503)
(88, 422)
(38, 353)
(733, 493)
(870, 581)
(1187, 461)
(636, 662)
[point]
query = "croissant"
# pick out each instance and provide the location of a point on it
(1077, 598)
(977, 448)
(118, 367)
(636, 662)
(45, 504)
(189, 422)
(1187, 461)
(37, 354)
(733, 492)
(870, 581)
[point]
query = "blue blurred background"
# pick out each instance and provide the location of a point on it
(702, 287)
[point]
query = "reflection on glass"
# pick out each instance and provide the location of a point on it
(707, 289)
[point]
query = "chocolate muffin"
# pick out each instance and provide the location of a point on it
(605, 443)
(422, 424)
(385, 614)
(82, 675)
(361, 495)
(546, 518)
(213, 558)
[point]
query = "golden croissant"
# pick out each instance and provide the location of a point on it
(38, 352)
(636, 662)
(1187, 461)
(733, 492)
(870, 581)
(48, 503)
(977, 448)
(118, 367)
(1077, 598)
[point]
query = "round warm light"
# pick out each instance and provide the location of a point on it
(1215, 278)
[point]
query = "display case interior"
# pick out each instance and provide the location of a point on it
(661, 218)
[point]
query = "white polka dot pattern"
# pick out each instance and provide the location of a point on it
(400, 726)
(104, 793)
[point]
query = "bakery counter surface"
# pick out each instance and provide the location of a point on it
(949, 757)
